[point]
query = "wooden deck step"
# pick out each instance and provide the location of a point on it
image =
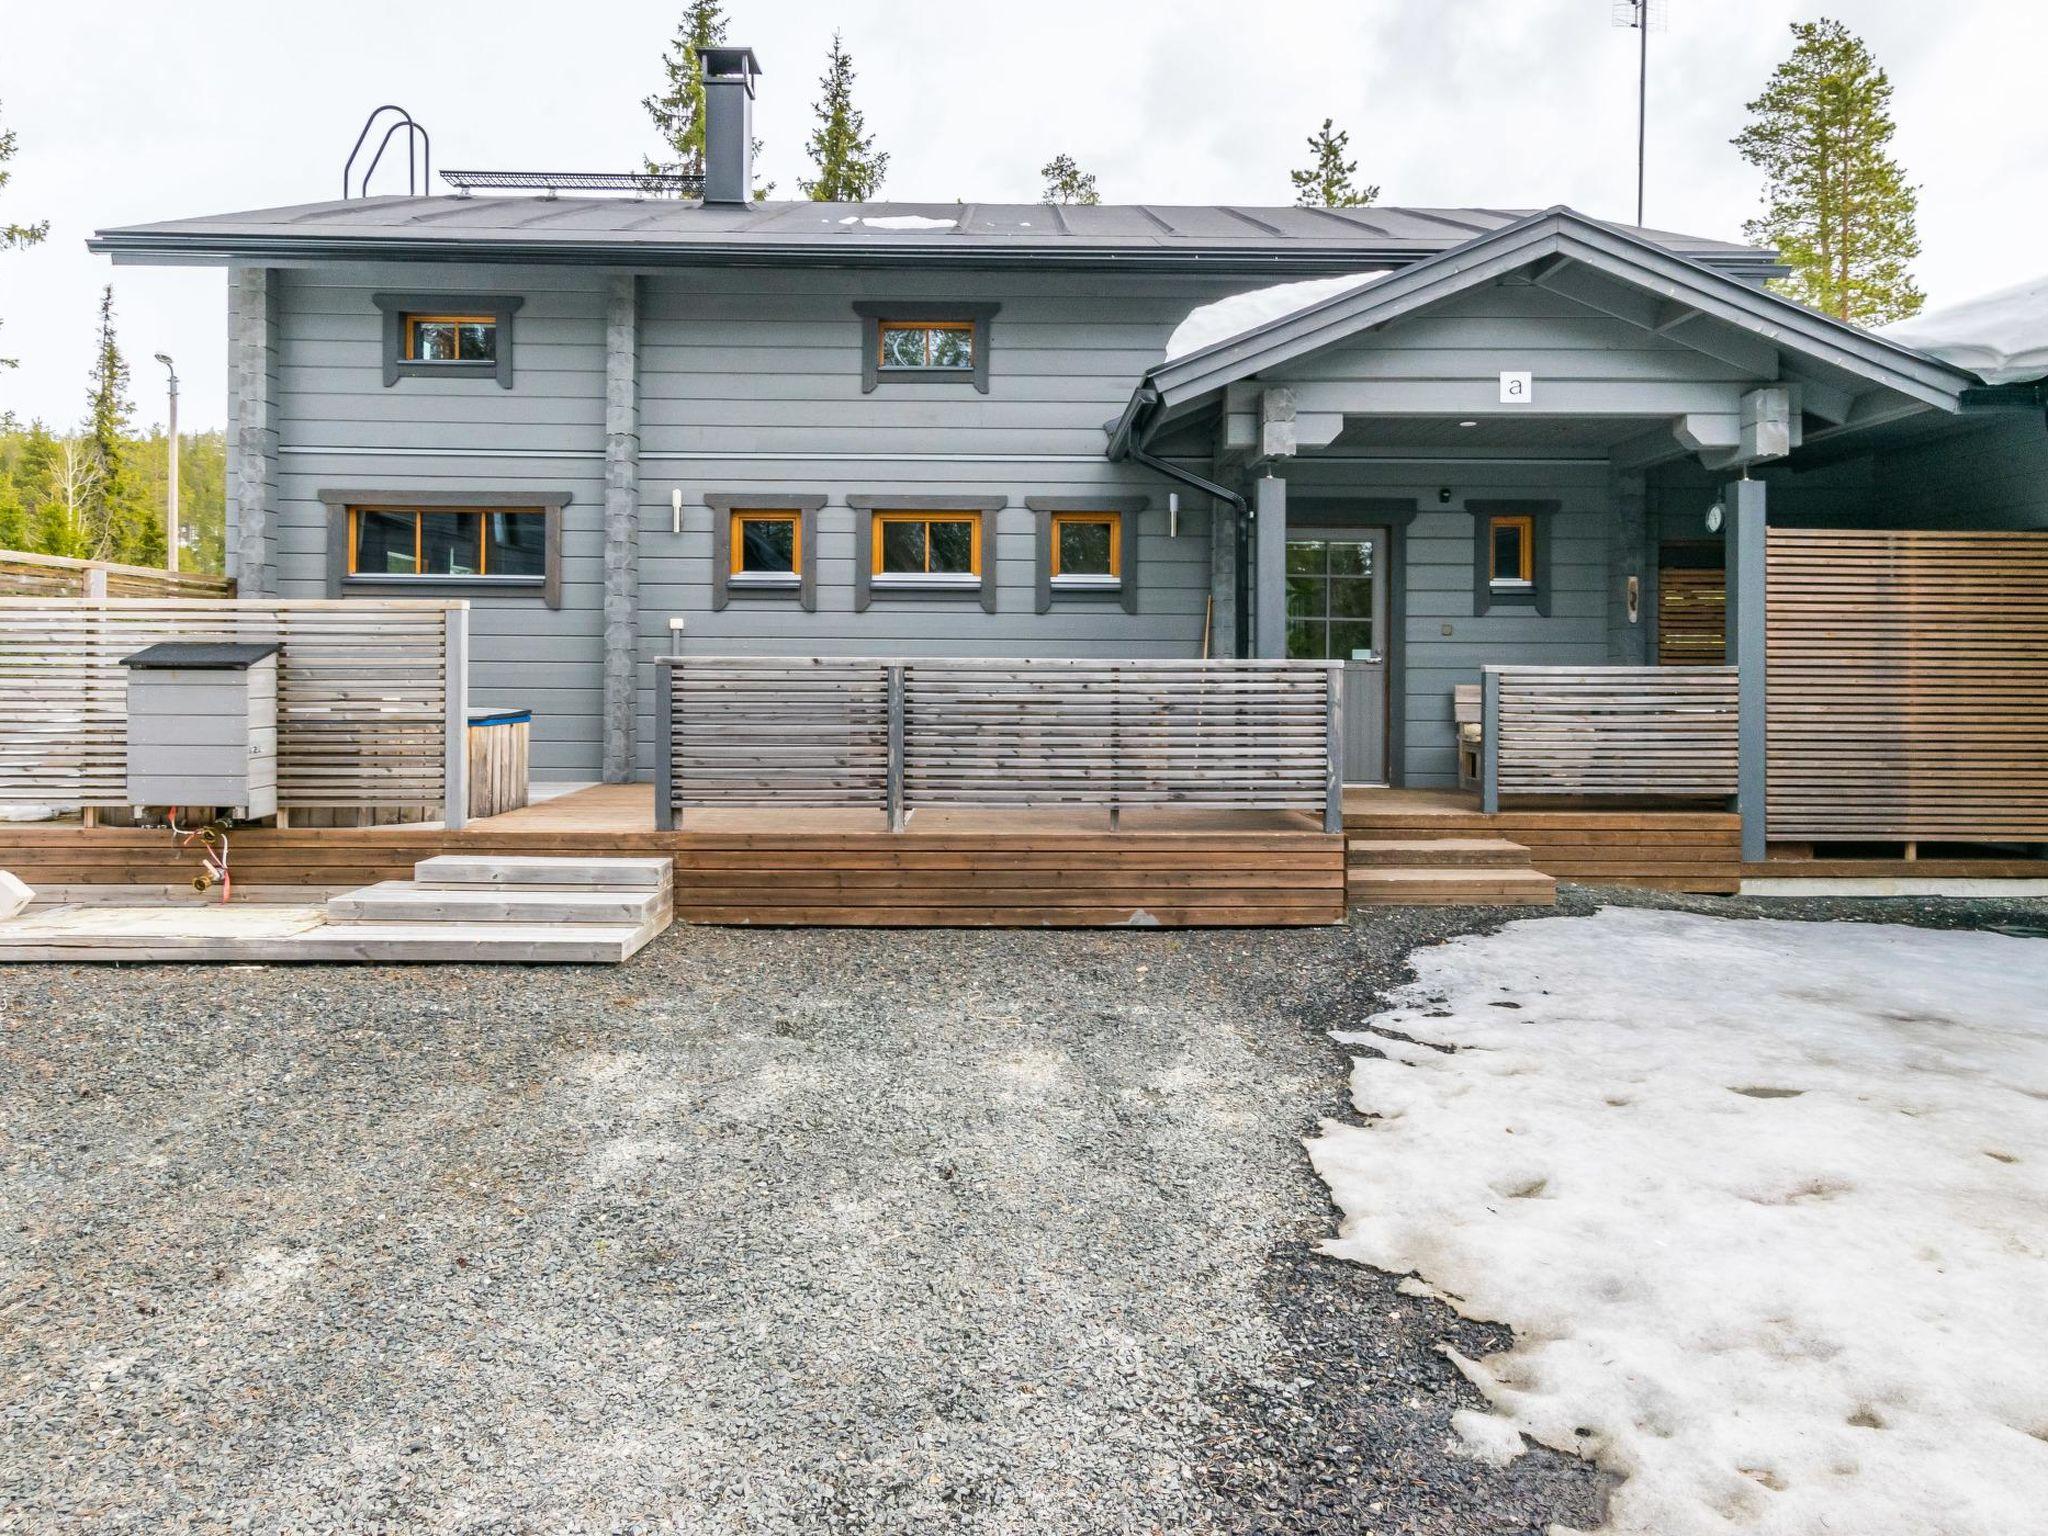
(402, 901)
(456, 871)
(291, 934)
(1436, 853)
(1450, 887)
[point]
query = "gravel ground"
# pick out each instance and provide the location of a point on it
(764, 1232)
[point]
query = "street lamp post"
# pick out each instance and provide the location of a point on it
(171, 503)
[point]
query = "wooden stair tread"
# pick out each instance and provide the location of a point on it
(403, 901)
(1450, 887)
(1436, 852)
(457, 871)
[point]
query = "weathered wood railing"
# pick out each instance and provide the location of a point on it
(901, 735)
(1648, 731)
(26, 575)
(372, 696)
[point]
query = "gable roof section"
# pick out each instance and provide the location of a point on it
(656, 233)
(1672, 290)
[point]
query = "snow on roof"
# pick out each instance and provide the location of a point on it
(902, 221)
(1242, 312)
(2001, 337)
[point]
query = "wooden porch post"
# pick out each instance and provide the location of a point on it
(894, 790)
(1742, 503)
(455, 763)
(665, 742)
(1333, 738)
(1489, 742)
(1269, 567)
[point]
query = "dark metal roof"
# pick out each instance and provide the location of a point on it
(206, 655)
(640, 232)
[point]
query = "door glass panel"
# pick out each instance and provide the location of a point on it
(1351, 558)
(1330, 593)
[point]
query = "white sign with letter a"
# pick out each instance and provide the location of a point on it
(1517, 388)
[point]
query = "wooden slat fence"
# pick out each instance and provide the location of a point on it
(901, 735)
(363, 695)
(1907, 686)
(26, 575)
(1668, 732)
(768, 731)
(1692, 617)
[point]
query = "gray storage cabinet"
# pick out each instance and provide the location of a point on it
(202, 726)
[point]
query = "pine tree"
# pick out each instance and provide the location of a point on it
(1066, 182)
(1327, 182)
(15, 237)
(119, 519)
(678, 112)
(850, 169)
(1837, 206)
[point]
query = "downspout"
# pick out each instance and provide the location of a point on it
(1126, 441)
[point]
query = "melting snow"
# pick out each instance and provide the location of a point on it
(1764, 1203)
(1242, 312)
(2001, 337)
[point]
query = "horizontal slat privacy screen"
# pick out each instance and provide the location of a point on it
(1130, 733)
(1692, 618)
(23, 575)
(362, 694)
(770, 731)
(1907, 685)
(1616, 730)
(756, 731)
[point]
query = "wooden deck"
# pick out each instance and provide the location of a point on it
(1675, 849)
(1064, 868)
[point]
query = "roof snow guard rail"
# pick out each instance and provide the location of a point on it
(416, 173)
(639, 183)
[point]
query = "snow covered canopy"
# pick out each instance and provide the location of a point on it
(2001, 337)
(1242, 312)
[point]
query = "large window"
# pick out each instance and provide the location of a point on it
(451, 338)
(927, 547)
(444, 543)
(1087, 548)
(1330, 600)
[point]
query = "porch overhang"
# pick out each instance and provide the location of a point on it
(1836, 377)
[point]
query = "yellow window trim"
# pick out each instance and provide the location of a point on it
(1526, 572)
(883, 519)
(736, 538)
(412, 346)
(419, 527)
(884, 327)
(1114, 521)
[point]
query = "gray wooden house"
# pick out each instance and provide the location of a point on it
(622, 425)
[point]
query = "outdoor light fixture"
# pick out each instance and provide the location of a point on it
(675, 510)
(1443, 495)
(1468, 423)
(1173, 514)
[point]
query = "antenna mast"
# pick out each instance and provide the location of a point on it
(1643, 15)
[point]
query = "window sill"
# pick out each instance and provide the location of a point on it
(926, 586)
(769, 582)
(413, 368)
(1113, 585)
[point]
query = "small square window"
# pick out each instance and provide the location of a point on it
(767, 544)
(1087, 547)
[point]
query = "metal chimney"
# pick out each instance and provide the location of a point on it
(729, 124)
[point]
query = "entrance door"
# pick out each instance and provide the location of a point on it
(1337, 611)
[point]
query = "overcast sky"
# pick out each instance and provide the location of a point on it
(130, 111)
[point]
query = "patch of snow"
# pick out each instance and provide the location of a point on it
(1486, 1437)
(2001, 337)
(1763, 1202)
(1241, 312)
(909, 221)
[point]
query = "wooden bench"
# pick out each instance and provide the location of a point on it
(1468, 710)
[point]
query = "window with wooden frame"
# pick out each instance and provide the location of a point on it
(935, 548)
(924, 344)
(1511, 551)
(767, 547)
(450, 339)
(505, 544)
(1087, 549)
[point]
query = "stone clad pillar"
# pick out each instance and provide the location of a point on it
(621, 525)
(252, 430)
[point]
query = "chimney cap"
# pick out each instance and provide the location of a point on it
(728, 63)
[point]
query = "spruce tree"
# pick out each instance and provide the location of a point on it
(1066, 182)
(850, 168)
(118, 518)
(1837, 206)
(15, 237)
(678, 112)
(1327, 183)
